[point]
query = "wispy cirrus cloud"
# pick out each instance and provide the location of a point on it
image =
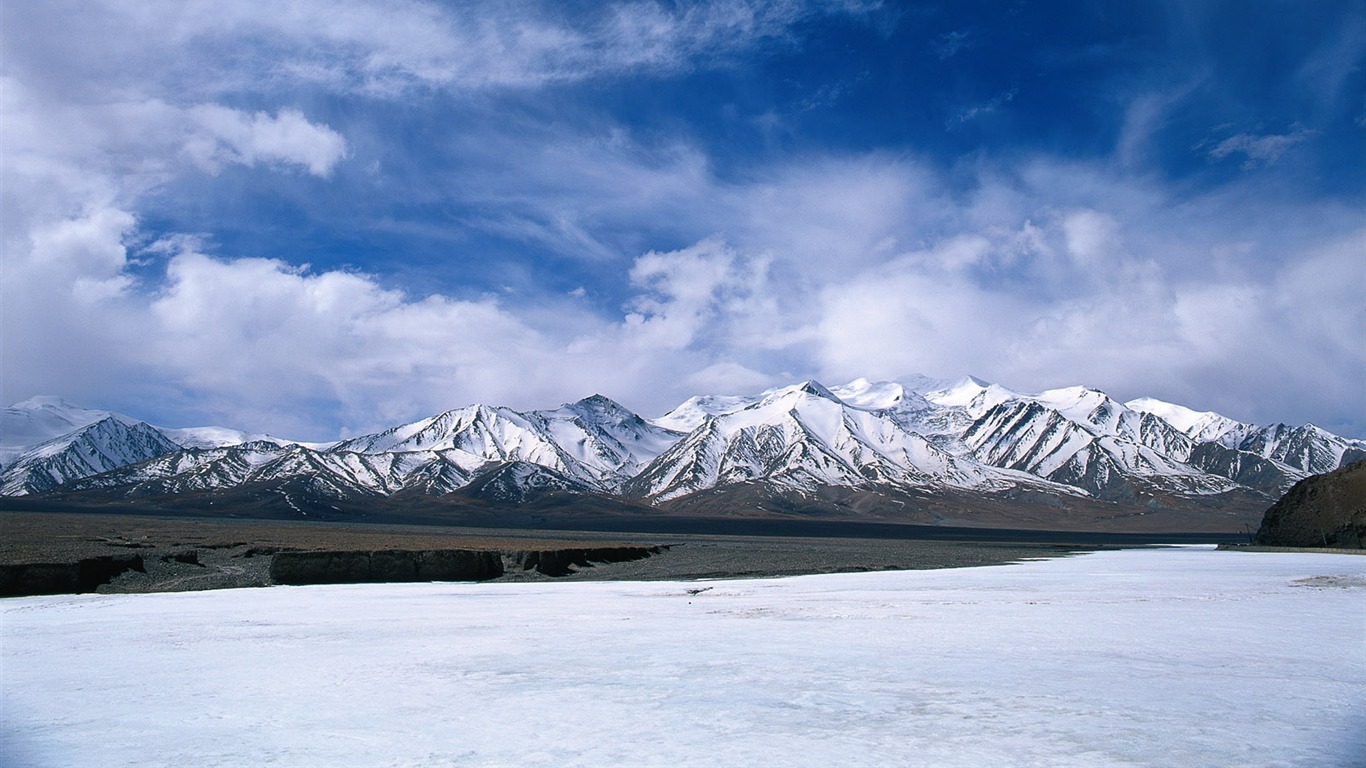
(951, 43)
(1259, 150)
(384, 48)
(979, 110)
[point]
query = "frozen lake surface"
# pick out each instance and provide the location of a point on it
(1160, 657)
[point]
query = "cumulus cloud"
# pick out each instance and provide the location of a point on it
(1040, 296)
(706, 294)
(65, 318)
(232, 136)
(856, 266)
(262, 334)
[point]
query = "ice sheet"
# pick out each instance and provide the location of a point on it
(1168, 657)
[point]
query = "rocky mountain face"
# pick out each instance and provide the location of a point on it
(859, 445)
(108, 444)
(1327, 510)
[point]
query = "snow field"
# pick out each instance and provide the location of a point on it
(1158, 657)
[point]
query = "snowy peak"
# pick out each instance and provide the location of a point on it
(491, 434)
(695, 410)
(692, 412)
(816, 389)
(970, 393)
(432, 433)
(873, 396)
(1094, 410)
(610, 442)
(1202, 426)
(1307, 448)
(599, 407)
(37, 420)
(595, 442)
(105, 445)
(801, 437)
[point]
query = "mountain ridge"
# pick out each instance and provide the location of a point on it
(911, 439)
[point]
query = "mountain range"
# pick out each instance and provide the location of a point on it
(915, 449)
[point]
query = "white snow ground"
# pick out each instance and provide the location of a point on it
(1167, 657)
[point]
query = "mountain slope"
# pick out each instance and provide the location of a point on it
(37, 420)
(802, 437)
(594, 442)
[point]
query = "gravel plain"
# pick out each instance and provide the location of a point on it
(179, 554)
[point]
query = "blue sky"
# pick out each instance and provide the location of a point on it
(320, 218)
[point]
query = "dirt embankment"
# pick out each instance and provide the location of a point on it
(64, 553)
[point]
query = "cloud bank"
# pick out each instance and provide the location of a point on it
(660, 269)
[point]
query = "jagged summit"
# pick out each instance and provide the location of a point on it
(597, 402)
(816, 389)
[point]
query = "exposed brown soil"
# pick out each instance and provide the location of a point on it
(36, 536)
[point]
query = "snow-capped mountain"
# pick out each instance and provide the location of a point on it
(1306, 448)
(915, 435)
(594, 446)
(1201, 426)
(107, 444)
(800, 438)
(37, 420)
(1082, 438)
(595, 441)
(47, 442)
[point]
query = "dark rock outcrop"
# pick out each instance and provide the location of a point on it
(386, 565)
(85, 575)
(561, 562)
(1327, 510)
(394, 565)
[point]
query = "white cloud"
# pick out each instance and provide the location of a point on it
(232, 136)
(388, 48)
(1035, 273)
(1092, 238)
(835, 267)
(706, 288)
(66, 324)
(262, 334)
